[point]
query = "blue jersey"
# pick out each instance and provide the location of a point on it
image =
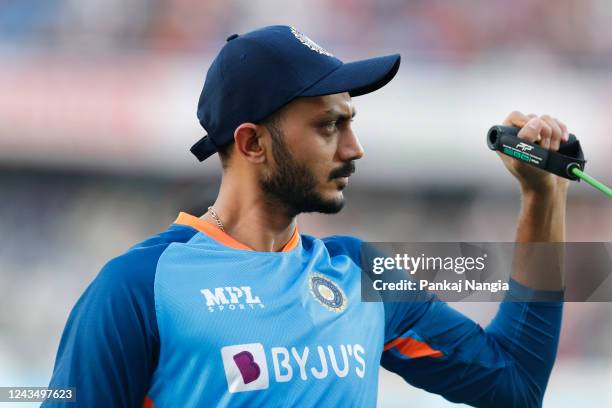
(193, 318)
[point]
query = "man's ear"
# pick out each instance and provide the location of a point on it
(249, 142)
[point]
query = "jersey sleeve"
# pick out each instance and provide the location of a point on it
(507, 364)
(437, 348)
(110, 344)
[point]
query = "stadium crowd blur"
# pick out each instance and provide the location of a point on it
(574, 32)
(97, 112)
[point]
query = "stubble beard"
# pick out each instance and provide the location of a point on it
(291, 187)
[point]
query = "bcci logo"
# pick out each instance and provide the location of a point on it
(327, 293)
(309, 43)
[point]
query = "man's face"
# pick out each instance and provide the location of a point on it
(313, 149)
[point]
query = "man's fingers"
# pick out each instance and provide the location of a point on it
(547, 131)
(516, 118)
(556, 132)
(565, 136)
(531, 131)
(545, 134)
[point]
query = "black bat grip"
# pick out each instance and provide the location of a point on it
(505, 139)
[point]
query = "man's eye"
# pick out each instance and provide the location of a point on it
(330, 126)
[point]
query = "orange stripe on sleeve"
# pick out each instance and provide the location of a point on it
(147, 402)
(413, 348)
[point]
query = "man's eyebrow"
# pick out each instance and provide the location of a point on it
(333, 114)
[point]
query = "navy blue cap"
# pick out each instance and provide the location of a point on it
(259, 72)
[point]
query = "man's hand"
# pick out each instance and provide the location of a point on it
(549, 133)
(544, 196)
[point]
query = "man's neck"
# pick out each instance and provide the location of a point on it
(250, 220)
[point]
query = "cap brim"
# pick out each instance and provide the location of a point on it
(358, 77)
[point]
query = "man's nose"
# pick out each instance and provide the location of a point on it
(350, 148)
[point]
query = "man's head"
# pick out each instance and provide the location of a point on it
(301, 156)
(277, 107)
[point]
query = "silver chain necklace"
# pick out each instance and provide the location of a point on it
(215, 216)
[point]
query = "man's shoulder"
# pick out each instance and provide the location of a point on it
(139, 263)
(345, 240)
(343, 245)
(175, 233)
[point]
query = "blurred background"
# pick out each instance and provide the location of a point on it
(97, 114)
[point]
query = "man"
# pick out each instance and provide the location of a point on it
(236, 308)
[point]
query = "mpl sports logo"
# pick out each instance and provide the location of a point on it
(231, 298)
(246, 365)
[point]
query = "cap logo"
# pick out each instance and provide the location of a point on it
(309, 43)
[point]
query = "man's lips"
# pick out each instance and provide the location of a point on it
(341, 182)
(343, 172)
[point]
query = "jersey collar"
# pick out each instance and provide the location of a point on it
(215, 233)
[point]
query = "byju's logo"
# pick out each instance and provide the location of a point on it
(231, 298)
(245, 367)
(248, 367)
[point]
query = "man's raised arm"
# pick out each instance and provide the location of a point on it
(508, 363)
